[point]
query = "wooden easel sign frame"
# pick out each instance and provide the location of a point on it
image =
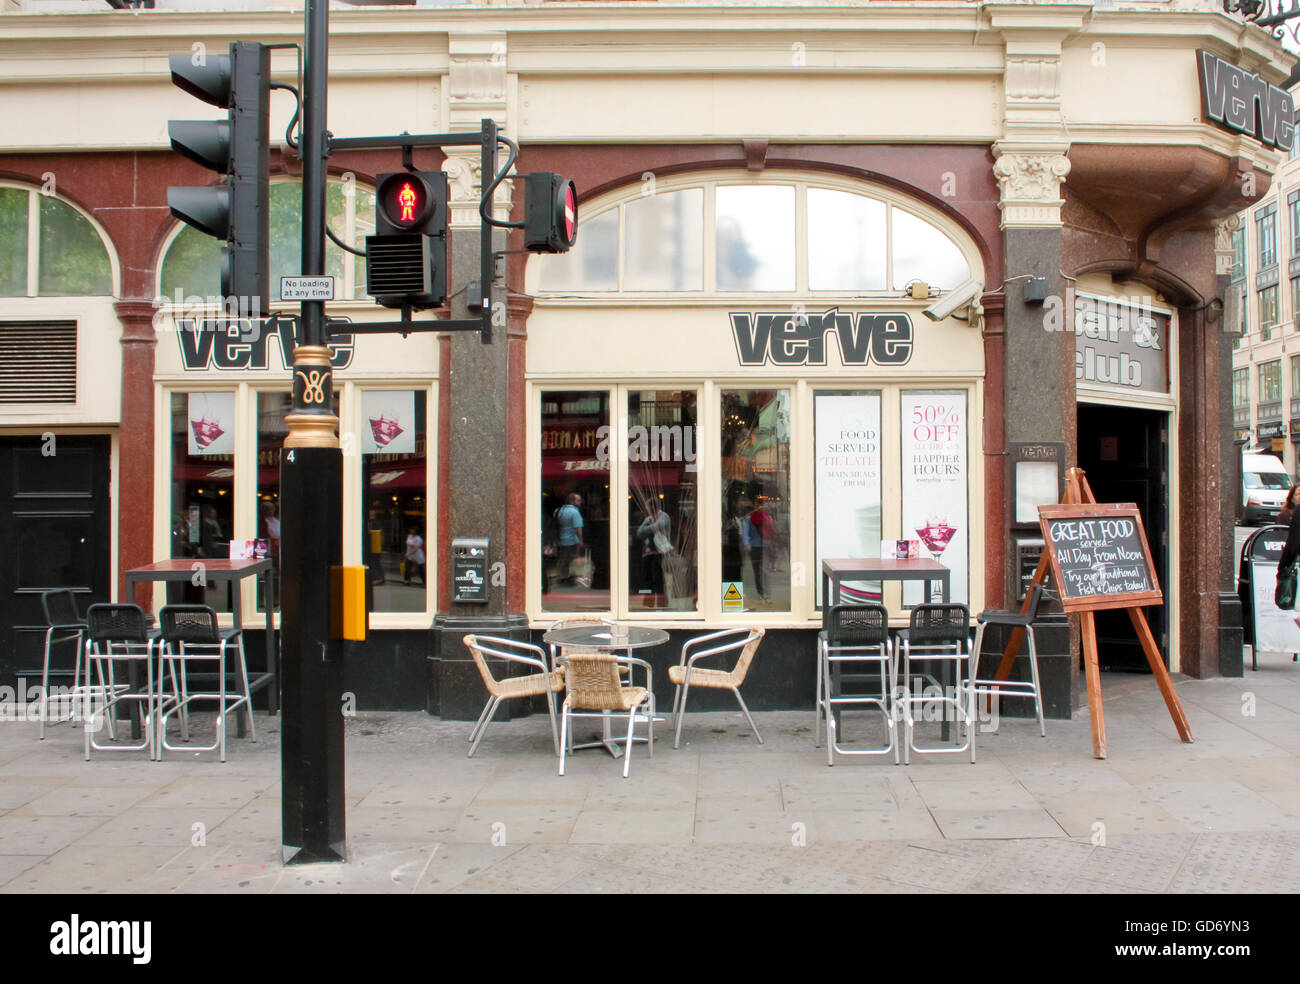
(1112, 537)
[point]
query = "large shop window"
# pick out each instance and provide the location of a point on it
(65, 257)
(575, 501)
(755, 500)
(202, 494)
(661, 239)
(663, 522)
(394, 451)
(191, 265)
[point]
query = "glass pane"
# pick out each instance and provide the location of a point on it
(202, 498)
(285, 249)
(936, 486)
(192, 266)
(592, 264)
(846, 241)
(922, 252)
(665, 242)
(13, 242)
(394, 481)
(575, 501)
(271, 432)
(663, 521)
(755, 501)
(848, 484)
(755, 237)
(73, 259)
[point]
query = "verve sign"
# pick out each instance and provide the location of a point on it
(1242, 102)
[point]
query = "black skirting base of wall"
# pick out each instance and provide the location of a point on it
(1231, 635)
(454, 686)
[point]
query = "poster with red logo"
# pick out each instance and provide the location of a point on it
(935, 491)
(388, 422)
(211, 424)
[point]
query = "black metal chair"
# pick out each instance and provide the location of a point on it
(117, 633)
(855, 634)
(63, 624)
(937, 633)
(1012, 688)
(190, 633)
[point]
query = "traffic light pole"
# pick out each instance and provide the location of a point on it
(311, 531)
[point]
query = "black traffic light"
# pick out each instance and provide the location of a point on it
(406, 259)
(237, 147)
(550, 213)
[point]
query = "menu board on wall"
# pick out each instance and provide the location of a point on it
(847, 439)
(935, 485)
(388, 422)
(211, 424)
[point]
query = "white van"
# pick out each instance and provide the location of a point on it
(1264, 484)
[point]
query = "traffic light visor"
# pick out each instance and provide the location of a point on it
(207, 209)
(204, 142)
(209, 79)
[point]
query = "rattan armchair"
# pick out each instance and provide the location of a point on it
(686, 674)
(594, 688)
(544, 682)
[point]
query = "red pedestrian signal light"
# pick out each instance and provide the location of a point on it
(408, 202)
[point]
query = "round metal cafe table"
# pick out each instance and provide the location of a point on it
(607, 638)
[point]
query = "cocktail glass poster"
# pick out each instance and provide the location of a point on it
(934, 487)
(847, 439)
(388, 422)
(211, 427)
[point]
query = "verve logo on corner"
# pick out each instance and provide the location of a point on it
(790, 338)
(243, 344)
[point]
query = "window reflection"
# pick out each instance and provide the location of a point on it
(665, 242)
(592, 264)
(755, 237)
(394, 443)
(662, 443)
(575, 501)
(922, 252)
(756, 500)
(846, 241)
(202, 496)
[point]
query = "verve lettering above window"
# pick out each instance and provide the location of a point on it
(1242, 102)
(798, 339)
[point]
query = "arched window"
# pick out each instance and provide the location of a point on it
(191, 260)
(48, 247)
(772, 234)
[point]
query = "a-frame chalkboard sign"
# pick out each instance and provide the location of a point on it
(1100, 559)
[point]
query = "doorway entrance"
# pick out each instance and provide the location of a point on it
(54, 533)
(1125, 453)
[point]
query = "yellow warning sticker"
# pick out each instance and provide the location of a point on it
(733, 596)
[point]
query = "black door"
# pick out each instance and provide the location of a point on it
(1124, 452)
(54, 533)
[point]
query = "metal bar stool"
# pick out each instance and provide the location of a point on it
(855, 634)
(190, 633)
(941, 633)
(117, 633)
(61, 619)
(1012, 688)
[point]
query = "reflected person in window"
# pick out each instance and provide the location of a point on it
(568, 520)
(758, 529)
(656, 533)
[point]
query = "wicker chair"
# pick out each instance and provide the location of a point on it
(574, 622)
(545, 682)
(686, 674)
(595, 688)
(856, 639)
(937, 633)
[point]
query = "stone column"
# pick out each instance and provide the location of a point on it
(135, 546)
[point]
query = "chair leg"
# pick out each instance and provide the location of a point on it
(817, 702)
(736, 691)
(45, 685)
(487, 716)
(1033, 672)
(565, 737)
(248, 692)
(681, 714)
(627, 752)
(479, 723)
(550, 711)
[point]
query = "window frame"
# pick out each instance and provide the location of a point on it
(34, 243)
(961, 239)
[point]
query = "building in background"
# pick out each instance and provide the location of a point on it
(729, 379)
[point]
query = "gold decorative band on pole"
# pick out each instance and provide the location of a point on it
(313, 387)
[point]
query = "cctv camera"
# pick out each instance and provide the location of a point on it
(957, 298)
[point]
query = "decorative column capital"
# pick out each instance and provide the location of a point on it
(1223, 256)
(1030, 181)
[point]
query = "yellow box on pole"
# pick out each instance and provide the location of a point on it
(348, 616)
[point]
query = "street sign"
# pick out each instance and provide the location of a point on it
(306, 288)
